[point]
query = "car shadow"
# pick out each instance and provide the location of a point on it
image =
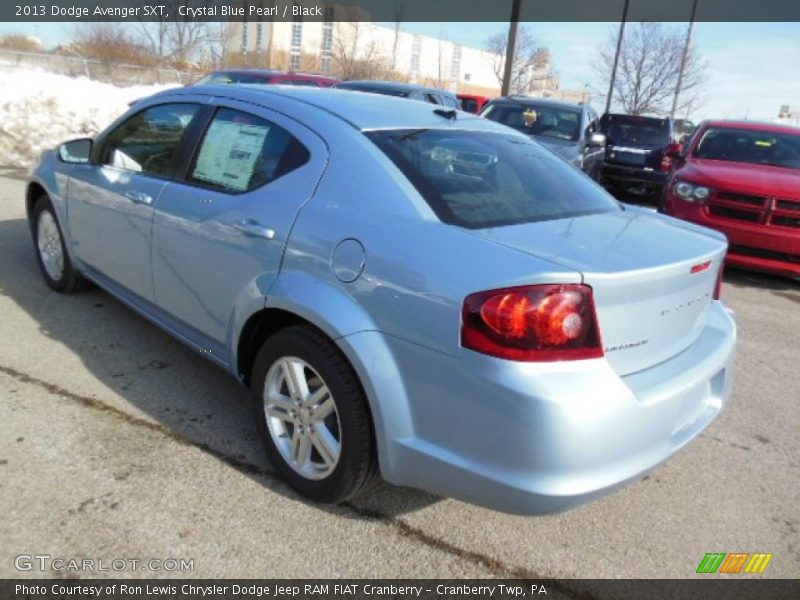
(784, 287)
(147, 370)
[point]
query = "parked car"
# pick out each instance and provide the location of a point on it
(570, 130)
(267, 76)
(411, 91)
(405, 290)
(635, 160)
(743, 179)
(472, 103)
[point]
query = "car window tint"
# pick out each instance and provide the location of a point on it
(545, 121)
(241, 152)
(305, 82)
(433, 99)
(750, 146)
(451, 102)
(146, 142)
(469, 105)
(482, 179)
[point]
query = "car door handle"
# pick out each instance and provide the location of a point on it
(139, 197)
(254, 229)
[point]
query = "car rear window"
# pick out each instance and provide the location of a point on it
(750, 146)
(632, 130)
(530, 119)
(477, 179)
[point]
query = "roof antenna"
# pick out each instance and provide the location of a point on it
(447, 114)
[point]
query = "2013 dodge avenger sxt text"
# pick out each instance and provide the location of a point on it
(405, 289)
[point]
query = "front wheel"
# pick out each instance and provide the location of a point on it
(51, 252)
(312, 415)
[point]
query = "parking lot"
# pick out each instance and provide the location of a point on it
(116, 441)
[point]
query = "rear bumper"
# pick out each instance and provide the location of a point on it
(753, 246)
(631, 177)
(531, 438)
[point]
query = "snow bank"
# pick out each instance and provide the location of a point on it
(38, 110)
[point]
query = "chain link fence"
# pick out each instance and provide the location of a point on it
(107, 72)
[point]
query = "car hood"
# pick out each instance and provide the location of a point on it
(565, 149)
(761, 180)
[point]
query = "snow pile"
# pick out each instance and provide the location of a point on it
(39, 110)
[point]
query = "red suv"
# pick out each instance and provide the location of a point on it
(743, 179)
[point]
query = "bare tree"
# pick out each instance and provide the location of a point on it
(399, 11)
(180, 40)
(529, 57)
(20, 43)
(356, 55)
(649, 63)
(109, 43)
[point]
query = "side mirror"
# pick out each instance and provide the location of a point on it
(596, 140)
(76, 151)
(674, 150)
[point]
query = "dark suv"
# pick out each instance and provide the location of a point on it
(635, 160)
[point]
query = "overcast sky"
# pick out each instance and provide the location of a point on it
(753, 68)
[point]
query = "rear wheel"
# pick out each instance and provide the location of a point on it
(313, 416)
(51, 253)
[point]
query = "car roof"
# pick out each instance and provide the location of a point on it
(533, 100)
(362, 110)
(754, 126)
(394, 85)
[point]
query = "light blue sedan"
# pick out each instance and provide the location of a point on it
(406, 289)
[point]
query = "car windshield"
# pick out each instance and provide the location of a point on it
(750, 146)
(531, 119)
(625, 130)
(479, 179)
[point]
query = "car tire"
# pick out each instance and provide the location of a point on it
(326, 452)
(51, 252)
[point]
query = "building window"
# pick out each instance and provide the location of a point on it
(456, 66)
(327, 40)
(297, 43)
(416, 48)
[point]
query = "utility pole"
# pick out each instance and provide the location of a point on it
(616, 57)
(511, 47)
(683, 61)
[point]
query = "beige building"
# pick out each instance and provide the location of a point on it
(359, 49)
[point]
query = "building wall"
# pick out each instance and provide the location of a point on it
(320, 46)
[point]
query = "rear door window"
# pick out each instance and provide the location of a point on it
(477, 179)
(241, 152)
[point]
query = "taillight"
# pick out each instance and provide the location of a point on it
(533, 323)
(718, 286)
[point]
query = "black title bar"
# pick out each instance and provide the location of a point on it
(395, 10)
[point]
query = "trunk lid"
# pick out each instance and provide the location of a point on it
(650, 305)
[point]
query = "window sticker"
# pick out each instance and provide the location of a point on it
(229, 154)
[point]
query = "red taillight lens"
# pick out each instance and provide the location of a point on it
(718, 286)
(532, 323)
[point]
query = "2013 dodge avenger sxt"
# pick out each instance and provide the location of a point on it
(407, 290)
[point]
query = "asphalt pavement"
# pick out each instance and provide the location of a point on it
(117, 442)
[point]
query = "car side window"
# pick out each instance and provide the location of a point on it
(432, 99)
(146, 142)
(451, 102)
(241, 152)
